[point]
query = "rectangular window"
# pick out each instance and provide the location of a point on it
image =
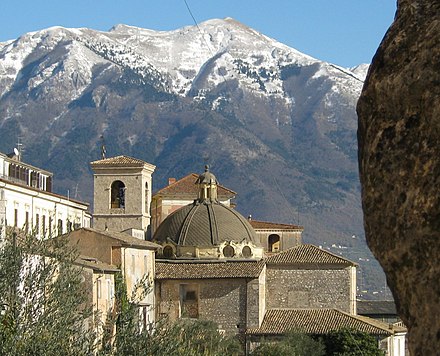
(37, 224)
(15, 217)
(26, 221)
(98, 288)
(60, 226)
(109, 289)
(133, 266)
(145, 263)
(43, 224)
(189, 301)
(50, 226)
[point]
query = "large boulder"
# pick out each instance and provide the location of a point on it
(399, 158)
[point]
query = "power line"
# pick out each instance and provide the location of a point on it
(203, 37)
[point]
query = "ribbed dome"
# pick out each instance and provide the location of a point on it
(205, 224)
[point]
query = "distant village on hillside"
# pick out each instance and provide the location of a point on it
(202, 258)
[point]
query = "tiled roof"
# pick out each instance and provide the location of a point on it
(119, 160)
(256, 224)
(123, 238)
(307, 254)
(187, 187)
(319, 321)
(214, 269)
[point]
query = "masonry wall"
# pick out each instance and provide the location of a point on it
(135, 213)
(290, 287)
(223, 301)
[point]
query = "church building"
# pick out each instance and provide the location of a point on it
(255, 279)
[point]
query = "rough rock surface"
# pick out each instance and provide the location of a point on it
(399, 157)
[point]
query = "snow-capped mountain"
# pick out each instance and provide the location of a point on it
(276, 125)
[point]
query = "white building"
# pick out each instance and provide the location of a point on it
(27, 201)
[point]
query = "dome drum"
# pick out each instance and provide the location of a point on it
(226, 250)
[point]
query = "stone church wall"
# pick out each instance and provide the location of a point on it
(223, 301)
(308, 288)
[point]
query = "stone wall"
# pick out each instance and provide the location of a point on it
(224, 301)
(308, 288)
(135, 212)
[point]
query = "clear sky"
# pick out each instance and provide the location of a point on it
(343, 32)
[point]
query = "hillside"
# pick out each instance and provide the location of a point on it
(277, 126)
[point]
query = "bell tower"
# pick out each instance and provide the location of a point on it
(122, 193)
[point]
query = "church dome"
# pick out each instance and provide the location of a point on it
(205, 223)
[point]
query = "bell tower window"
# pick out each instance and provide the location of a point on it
(117, 199)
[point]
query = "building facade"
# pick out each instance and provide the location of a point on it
(27, 201)
(134, 257)
(276, 237)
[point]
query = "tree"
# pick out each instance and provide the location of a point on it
(293, 344)
(186, 337)
(350, 342)
(44, 310)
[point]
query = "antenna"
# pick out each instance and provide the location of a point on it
(76, 191)
(103, 149)
(18, 151)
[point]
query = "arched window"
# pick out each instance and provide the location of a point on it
(168, 252)
(117, 195)
(273, 243)
(246, 252)
(228, 251)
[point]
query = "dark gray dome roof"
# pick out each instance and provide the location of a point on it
(205, 224)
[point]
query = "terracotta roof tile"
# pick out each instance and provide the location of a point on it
(307, 254)
(214, 269)
(186, 187)
(120, 160)
(256, 224)
(319, 321)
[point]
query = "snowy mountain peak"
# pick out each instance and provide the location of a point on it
(186, 61)
(247, 101)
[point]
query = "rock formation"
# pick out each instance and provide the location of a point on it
(399, 158)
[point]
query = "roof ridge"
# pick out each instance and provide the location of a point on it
(320, 320)
(183, 179)
(302, 256)
(120, 159)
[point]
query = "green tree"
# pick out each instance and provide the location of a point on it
(293, 344)
(44, 310)
(350, 342)
(186, 337)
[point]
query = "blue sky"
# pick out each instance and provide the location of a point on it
(343, 32)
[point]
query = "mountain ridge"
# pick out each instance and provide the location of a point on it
(277, 126)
